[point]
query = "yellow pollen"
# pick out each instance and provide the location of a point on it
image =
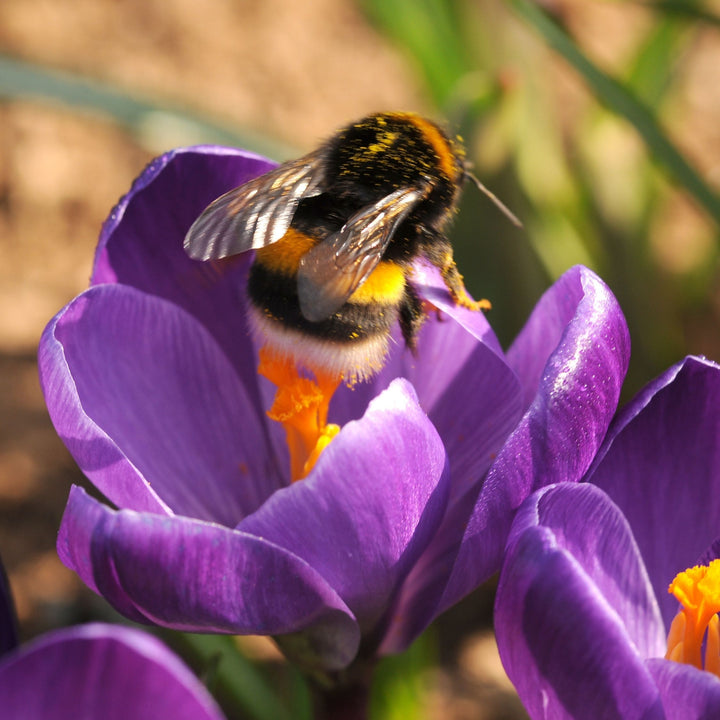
(698, 591)
(301, 406)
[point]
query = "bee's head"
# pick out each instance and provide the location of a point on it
(387, 151)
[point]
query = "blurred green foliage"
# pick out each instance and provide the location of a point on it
(593, 173)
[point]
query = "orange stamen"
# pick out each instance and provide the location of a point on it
(301, 406)
(698, 591)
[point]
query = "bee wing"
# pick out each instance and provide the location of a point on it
(332, 270)
(255, 214)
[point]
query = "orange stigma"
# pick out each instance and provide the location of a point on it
(698, 591)
(301, 406)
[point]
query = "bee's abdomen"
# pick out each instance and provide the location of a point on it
(352, 342)
(274, 294)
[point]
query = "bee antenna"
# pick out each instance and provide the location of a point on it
(509, 214)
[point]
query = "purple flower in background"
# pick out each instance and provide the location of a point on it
(583, 611)
(98, 670)
(150, 377)
(93, 671)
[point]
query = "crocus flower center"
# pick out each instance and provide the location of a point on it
(301, 406)
(698, 591)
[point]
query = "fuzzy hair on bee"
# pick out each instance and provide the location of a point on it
(335, 235)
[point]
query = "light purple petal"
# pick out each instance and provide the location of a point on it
(687, 693)
(575, 615)
(661, 464)
(101, 671)
(543, 332)
(201, 577)
(429, 283)
(141, 244)
(370, 506)
(562, 429)
(152, 410)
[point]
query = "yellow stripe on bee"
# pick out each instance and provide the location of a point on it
(284, 256)
(385, 285)
(447, 153)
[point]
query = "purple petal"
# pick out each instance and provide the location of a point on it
(661, 464)
(574, 613)
(431, 287)
(478, 408)
(201, 577)
(369, 507)
(8, 619)
(464, 384)
(562, 429)
(467, 389)
(687, 693)
(474, 400)
(141, 243)
(712, 552)
(105, 671)
(544, 331)
(152, 410)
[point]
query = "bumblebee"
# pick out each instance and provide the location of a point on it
(336, 233)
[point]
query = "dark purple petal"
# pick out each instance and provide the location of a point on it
(462, 382)
(101, 671)
(661, 465)
(711, 553)
(687, 693)
(201, 577)
(370, 506)
(575, 614)
(141, 243)
(474, 400)
(562, 429)
(152, 410)
(453, 342)
(8, 619)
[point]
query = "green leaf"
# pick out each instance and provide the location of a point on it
(152, 123)
(397, 692)
(431, 31)
(240, 685)
(652, 70)
(623, 102)
(684, 9)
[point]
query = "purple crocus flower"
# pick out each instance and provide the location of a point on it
(583, 611)
(92, 671)
(98, 670)
(150, 377)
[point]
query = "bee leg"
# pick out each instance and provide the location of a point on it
(438, 251)
(412, 316)
(454, 283)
